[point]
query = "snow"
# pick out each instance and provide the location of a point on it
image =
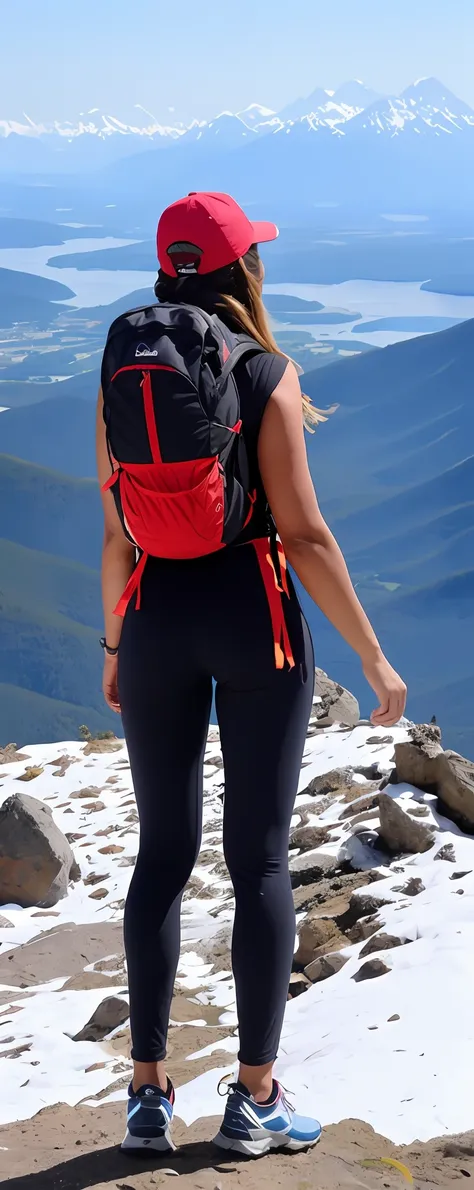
(339, 1045)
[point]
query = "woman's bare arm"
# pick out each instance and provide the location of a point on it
(118, 560)
(309, 544)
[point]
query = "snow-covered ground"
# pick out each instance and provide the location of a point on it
(397, 1051)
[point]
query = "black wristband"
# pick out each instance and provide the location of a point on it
(107, 649)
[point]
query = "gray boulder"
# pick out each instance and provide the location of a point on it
(337, 704)
(36, 861)
(111, 1013)
(400, 831)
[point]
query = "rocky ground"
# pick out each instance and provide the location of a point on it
(378, 1035)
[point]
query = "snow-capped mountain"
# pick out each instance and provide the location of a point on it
(333, 106)
(352, 112)
(427, 107)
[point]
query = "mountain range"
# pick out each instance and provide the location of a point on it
(427, 108)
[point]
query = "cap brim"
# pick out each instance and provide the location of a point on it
(264, 232)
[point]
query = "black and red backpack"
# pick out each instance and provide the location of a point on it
(179, 466)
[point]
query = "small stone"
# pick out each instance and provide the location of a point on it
(95, 1066)
(371, 970)
(380, 942)
(31, 772)
(127, 862)
(95, 878)
(111, 849)
(418, 811)
(5, 924)
(395, 1017)
(298, 984)
(379, 739)
(325, 966)
(459, 875)
(309, 837)
(98, 894)
(74, 836)
(361, 930)
(412, 888)
(447, 852)
(93, 807)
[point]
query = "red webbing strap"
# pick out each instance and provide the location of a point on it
(150, 418)
(109, 483)
(134, 584)
(275, 602)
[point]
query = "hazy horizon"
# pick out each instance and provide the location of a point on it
(179, 66)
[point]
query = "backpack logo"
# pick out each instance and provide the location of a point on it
(144, 350)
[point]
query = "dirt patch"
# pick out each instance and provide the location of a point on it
(77, 1149)
(63, 951)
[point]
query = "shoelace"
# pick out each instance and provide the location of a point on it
(229, 1088)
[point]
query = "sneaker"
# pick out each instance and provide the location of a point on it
(256, 1128)
(149, 1115)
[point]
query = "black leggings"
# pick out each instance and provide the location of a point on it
(201, 620)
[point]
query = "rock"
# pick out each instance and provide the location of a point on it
(412, 888)
(9, 755)
(90, 791)
(298, 984)
(311, 866)
(379, 739)
(99, 894)
(36, 861)
(337, 781)
(380, 942)
(395, 1017)
(363, 929)
(447, 852)
(371, 970)
(309, 837)
(399, 831)
(102, 746)
(34, 770)
(95, 878)
(317, 936)
(364, 905)
(337, 704)
(111, 1013)
(93, 807)
(111, 849)
(422, 762)
(325, 966)
(459, 875)
(5, 924)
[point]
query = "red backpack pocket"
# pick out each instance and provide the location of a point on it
(174, 510)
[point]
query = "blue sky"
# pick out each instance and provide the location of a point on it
(58, 57)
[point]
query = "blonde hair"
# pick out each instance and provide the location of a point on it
(253, 319)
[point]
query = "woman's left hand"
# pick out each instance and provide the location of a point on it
(110, 683)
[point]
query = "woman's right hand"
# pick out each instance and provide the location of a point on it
(389, 688)
(110, 683)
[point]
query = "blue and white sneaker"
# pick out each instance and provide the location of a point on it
(149, 1115)
(256, 1128)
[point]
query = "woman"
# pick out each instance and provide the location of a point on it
(208, 618)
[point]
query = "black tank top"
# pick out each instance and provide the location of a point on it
(257, 378)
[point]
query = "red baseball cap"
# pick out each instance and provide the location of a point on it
(215, 225)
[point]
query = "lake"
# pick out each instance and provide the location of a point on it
(370, 299)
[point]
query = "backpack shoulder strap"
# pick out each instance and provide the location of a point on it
(243, 349)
